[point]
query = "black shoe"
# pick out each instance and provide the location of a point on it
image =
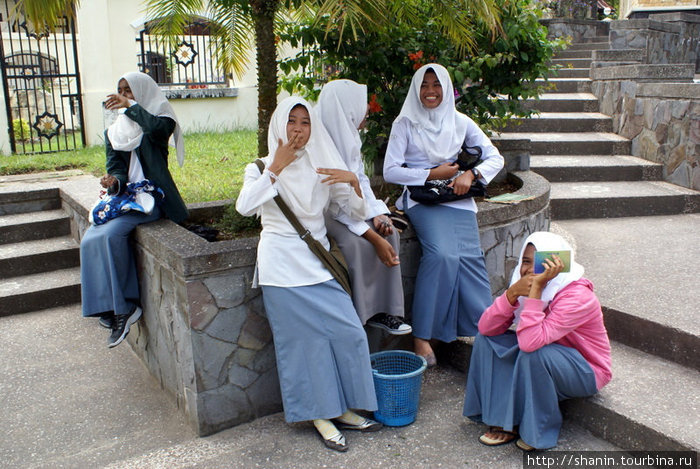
(392, 324)
(107, 320)
(122, 324)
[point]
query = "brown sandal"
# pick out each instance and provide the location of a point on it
(504, 436)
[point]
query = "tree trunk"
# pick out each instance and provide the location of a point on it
(266, 57)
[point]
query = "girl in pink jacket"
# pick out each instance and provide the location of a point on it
(540, 342)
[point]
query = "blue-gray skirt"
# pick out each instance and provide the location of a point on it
(452, 285)
(107, 266)
(509, 388)
(321, 349)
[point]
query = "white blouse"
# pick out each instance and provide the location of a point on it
(284, 259)
(402, 149)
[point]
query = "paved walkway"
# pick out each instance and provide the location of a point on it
(70, 402)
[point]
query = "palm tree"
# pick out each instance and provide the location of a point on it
(236, 21)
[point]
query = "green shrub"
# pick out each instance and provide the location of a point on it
(21, 130)
(491, 82)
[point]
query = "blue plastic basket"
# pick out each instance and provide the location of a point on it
(398, 376)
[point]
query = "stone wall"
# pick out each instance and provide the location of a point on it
(577, 30)
(661, 119)
(204, 334)
(665, 38)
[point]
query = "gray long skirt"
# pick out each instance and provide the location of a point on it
(518, 390)
(376, 288)
(107, 267)
(321, 349)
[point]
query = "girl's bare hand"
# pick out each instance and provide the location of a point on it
(462, 183)
(116, 101)
(386, 253)
(520, 288)
(284, 155)
(552, 268)
(340, 175)
(108, 181)
(383, 225)
(444, 171)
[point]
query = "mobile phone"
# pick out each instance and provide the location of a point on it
(540, 257)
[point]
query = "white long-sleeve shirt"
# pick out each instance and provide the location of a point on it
(284, 259)
(375, 207)
(402, 149)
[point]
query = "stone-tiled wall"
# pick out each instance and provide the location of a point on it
(661, 119)
(577, 30)
(665, 42)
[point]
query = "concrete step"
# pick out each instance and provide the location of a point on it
(566, 85)
(648, 292)
(29, 201)
(567, 168)
(35, 292)
(573, 143)
(571, 200)
(562, 122)
(563, 102)
(30, 257)
(571, 73)
(596, 44)
(583, 62)
(33, 225)
(573, 54)
(651, 404)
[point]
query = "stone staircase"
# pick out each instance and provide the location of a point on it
(39, 260)
(595, 182)
(591, 170)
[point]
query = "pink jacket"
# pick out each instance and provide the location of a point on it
(573, 318)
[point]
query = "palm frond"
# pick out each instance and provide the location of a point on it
(46, 14)
(168, 18)
(233, 32)
(357, 15)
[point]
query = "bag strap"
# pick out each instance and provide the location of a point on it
(300, 229)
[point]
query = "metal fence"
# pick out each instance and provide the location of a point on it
(189, 63)
(41, 83)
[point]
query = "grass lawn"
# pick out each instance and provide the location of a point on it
(213, 167)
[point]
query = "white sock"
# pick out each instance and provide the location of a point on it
(326, 428)
(351, 418)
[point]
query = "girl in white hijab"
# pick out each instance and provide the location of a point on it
(320, 345)
(371, 246)
(559, 350)
(137, 152)
(452, 285)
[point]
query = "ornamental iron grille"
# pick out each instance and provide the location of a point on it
(41, 83)
(187, 62)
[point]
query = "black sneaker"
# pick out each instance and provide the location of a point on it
(392, 324)
(107, 320)
(122, 324)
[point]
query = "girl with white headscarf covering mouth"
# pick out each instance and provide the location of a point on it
(559, 350)
(452, 285)
(370, 246)
(137, 155)
(320, 345)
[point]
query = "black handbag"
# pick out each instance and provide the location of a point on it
(333, 260)
(436, 191)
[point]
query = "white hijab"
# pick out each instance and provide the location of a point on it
(300, 188)
(342, 106)
(545, 241)
(126, 135)
(438, 132)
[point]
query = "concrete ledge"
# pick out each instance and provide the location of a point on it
(646, 24)
(200, 93)
(646, 72)
(674, 17)
(669, 90)
(615, 55)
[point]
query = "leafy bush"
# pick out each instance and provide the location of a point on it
(490, 83)
(21, 130)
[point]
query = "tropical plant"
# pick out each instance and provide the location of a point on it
(490, 81)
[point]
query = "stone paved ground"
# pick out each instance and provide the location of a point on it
(69, 402)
